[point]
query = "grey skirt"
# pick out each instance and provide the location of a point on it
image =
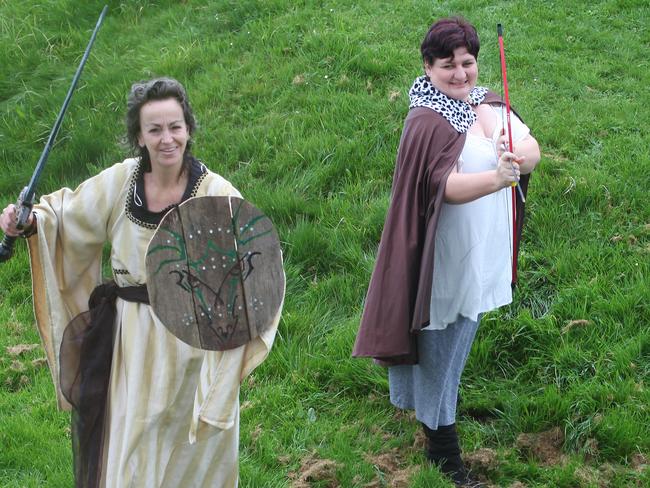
(431, 386)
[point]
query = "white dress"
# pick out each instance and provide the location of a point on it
(173, 410)
(473, 243)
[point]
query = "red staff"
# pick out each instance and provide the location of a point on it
(511, 148)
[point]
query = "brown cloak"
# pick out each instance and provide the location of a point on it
(399, 294)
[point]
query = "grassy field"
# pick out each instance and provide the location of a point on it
(300, 105)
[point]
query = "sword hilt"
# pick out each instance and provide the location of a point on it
(7, 248)
(23, 210)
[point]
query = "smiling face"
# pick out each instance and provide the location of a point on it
(454, 76)
(164, 133)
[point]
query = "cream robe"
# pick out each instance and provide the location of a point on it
(173, 412)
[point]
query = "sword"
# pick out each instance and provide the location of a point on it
(27, 195)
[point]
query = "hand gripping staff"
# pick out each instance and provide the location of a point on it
(27, 196)
(511, 148)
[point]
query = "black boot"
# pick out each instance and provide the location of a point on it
(443, 450)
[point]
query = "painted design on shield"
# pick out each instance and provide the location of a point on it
(218, 262)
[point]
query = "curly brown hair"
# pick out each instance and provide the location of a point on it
(156, 89)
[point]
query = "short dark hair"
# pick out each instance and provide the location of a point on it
(156, 89)
(445, 36)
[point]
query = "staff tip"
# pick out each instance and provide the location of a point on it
(499, 30)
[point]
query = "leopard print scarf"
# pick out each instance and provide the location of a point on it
(457, 112)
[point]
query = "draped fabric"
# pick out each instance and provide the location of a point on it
(398, 300)
(172, 413)
(86, 355)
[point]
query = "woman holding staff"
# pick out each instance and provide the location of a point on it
(446, 253)
(148, 409)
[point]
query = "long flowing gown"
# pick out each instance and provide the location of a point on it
(173, 410)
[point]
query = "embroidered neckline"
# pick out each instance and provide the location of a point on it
(458, 113)
(135, 207)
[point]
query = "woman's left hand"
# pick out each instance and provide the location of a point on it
(508, 170)
(526, 150)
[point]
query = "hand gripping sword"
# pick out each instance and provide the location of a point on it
(27, 196)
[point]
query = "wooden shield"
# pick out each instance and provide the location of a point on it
(214, 272)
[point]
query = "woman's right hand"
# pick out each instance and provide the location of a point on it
(8, 221)
(508, 171)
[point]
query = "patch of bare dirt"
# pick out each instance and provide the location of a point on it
(639, 462)
(256, 433)
(482, 460)
(419, 440)
(400, 479)
(386, 462)
(587, 476)
(19, 349)
(284, 459)
(17, 366)
(404, 415)
(544, 447)
(590, 449)
(315, 469)
(39, 362)
(390, 464)
(606, 473)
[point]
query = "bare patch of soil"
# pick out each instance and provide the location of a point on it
(639, 462)
(389, 463)
(419, 440)
(255, 435)
(587, 476)
(482, 460)
(39, 362)
(19, 349)
(315, 469)
(17, 366)
(544, 447)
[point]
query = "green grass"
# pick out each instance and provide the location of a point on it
(300, 105)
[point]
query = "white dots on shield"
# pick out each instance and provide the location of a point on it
(187, 319)
(256, 304)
